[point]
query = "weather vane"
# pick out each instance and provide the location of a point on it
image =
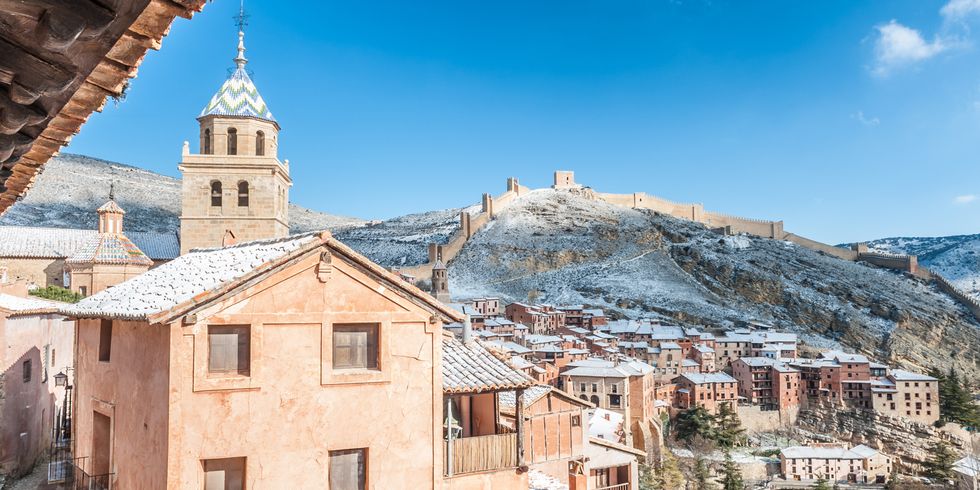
(241, 20)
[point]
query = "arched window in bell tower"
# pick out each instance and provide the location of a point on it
(207, 141)
(216, 193)
(243, 194)
(260, 143)
(232, 141)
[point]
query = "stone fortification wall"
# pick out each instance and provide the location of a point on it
(763, 228)
(894, 435)
(944, 285)
(907, 263)
(838, 252)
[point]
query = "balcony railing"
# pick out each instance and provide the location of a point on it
(621, 486)
(481, 453)
(71, 475)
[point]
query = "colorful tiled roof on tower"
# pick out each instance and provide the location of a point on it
(238, 95)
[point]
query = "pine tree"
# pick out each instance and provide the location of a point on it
(821, 485)
(729, 432)
(668, 475)
(648, 477)
(732, 475)
(702, 476)
(695, 422)
(940, 464)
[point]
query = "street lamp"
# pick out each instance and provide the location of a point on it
(61, 379)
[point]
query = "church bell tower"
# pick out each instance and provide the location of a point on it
(235, 189)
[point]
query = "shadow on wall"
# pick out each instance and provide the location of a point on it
(25, 413)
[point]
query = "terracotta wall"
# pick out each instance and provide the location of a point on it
(28, 409)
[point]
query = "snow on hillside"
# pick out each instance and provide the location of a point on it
(570, 249)
(955, 257)
(403, 241)
(71, 187)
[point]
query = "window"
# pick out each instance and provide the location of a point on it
(355, 347)
(232, 141)
(224, 474)
(83, 291)
(348, 469)
(615, 400)
(260, 143)
(206, 145)
(243, 194)
(594, 399)
(614, 388)
(27, 371)
(576, 420)
(105, 340)
(595, 387)
(582, 387)
(229, 350)
(216, 194)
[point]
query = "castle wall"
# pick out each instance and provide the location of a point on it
(842, 253)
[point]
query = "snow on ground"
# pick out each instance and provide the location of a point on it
(541, 481)
(403, 241)
(955, 257)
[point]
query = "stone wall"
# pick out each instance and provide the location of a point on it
(893, 435)
(756, 420)
(906, 263)
(944, 285)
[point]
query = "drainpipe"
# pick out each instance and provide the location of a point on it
(449, 434)
(467, 330)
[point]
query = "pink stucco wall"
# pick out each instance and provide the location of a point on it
(28, 409)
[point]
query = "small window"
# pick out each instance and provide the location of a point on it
(207, 142)
(27, 371)
(355, 347)
(243, 194)
(576, 420)
(228, 350)
(83, 291)
(105, 340)
(232, 141)
(216, 194)
(224, 474)
(260, 143)
(348, 469)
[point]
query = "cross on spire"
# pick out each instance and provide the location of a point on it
(241, 20)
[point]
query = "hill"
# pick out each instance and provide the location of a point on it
(955, 257)
(71, 187)
(569, 249)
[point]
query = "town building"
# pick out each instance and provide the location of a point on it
(769, 383)
(224, 366)
(540, 319)
(36, 343)
(754, 343)
(708, 390)
(235, 189)
(107, 258)
(908, 395)
(835, 463)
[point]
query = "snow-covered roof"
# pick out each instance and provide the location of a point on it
(508, 400)
(16, 304)
(109, 248)
(605, 424)
(509, 347)
(828, 452)
(705, 378)
(541, 339)
(471, 368)
(61, 243)
(669, 345)
(845, 357)
(969, 466)
(520, 363)
(902, 375)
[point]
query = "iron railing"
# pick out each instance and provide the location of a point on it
(621, 486)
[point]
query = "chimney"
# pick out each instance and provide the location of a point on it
(467, 329)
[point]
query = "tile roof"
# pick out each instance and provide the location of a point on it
(29, 305)
(507, 346)
(471, 368)
(61, 243)
(238, 97)
(204, 274)
(845, 357)
(109, 248)
(186, 276)
(703, 378)
(508, 399)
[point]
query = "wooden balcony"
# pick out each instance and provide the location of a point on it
(481, 453)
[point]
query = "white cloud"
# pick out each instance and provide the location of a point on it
(965, 199)
(960, 9)
(898, 46)
(867, 121)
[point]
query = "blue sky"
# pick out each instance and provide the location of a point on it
(849, 120)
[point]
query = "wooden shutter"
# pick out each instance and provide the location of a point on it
(229, 349)
(355, 346)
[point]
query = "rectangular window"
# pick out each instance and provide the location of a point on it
(224, 474)
(27, 371)
(229, 350)
(576, 420)
(105, 340)
(355, 347)
(348, 469)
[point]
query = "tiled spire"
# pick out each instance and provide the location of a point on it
(238, 95)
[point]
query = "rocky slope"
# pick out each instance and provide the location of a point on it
(73, 186)
(574, 250)
(955, 257)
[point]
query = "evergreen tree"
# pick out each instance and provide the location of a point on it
(729, 432)
(648, 477)
(821, 485)
(668, 475)
(940, 464)
(731, 474)
(702, 477)
(955, 401)
(695, 422)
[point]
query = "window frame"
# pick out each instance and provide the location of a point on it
(27, 369)
(105, 340)
(365, 452)
(243, 194)
(371, 328)
(244, 467)
(260, 143)
(239, 371)
(232, 141)
(216, 192)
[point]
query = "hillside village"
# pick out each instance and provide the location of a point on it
(230, 348)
